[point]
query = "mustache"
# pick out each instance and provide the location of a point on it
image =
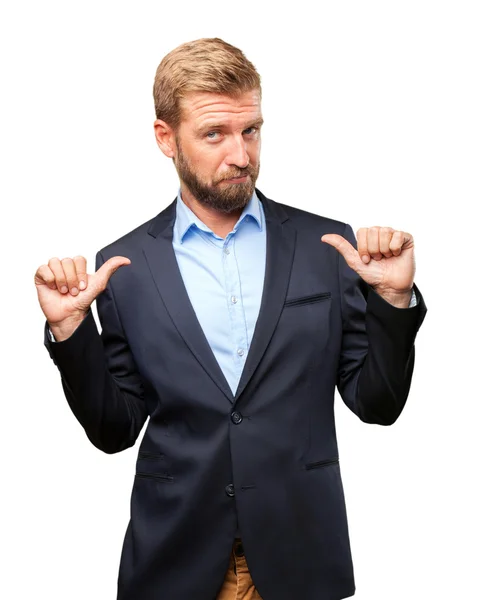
(232, 173)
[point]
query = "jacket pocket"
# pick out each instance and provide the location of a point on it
(307, 299)
(321, 463)
(153, 465)
(150, 456)
(165, 477)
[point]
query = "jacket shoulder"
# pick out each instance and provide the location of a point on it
(303, 219)
(132, 241)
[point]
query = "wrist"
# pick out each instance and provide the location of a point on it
(64, 329)
(399, 299)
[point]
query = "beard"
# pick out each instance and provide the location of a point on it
(226, 198)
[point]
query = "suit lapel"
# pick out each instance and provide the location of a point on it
(280, 245)
(163, 265)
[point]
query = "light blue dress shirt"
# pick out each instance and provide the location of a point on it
(224, 280)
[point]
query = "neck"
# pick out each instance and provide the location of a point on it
(220, 223)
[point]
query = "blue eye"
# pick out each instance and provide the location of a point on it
(210, 134)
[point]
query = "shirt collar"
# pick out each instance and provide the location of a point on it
(186, 218)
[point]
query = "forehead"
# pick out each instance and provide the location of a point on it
(200, 108)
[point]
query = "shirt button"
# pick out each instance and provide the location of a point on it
(234, 299)
(236, 417)
(240, 351)
(227, 251)
(230, 490)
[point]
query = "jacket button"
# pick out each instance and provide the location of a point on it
(236, 417)
(230, 490)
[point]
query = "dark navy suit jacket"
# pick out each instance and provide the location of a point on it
(267, 456)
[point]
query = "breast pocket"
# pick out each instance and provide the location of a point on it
(310, 299)
(306, 319)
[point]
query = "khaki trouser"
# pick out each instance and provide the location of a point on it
(238, 584)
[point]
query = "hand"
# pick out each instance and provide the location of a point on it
(66, 292)
(391, 271)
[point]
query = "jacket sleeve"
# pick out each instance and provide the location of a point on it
(377, 349)
(99, 377)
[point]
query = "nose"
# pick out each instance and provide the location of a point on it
(237, 153)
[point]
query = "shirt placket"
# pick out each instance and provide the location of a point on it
(234, 301)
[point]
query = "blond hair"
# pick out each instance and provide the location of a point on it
(204, 65)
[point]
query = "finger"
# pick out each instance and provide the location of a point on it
(80, 266)
(342, 245)
(396, 243)
(362, 239)
(385, 236)
(102, 276)
(44, 275)
(71, 275)
(60, 279)
(373, 243)
(408, 240)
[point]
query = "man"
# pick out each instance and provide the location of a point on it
(229, 327)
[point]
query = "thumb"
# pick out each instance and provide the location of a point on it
(99, 280)
(347, 250)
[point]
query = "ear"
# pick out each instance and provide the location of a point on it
(165, 138)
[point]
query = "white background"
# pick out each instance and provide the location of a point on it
(371, 117)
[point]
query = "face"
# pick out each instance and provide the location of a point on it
(218, 147)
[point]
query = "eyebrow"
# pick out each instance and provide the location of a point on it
(210, 126)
